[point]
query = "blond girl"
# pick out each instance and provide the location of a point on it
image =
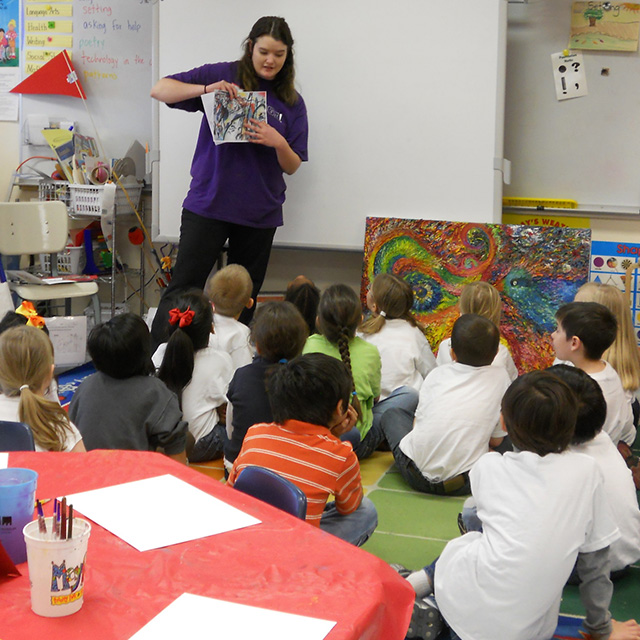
(26, 370)
(482, 299)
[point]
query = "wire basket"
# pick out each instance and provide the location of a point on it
(86, 200)
(54, 190)
(69, 261)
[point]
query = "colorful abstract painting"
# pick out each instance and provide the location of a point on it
(535, 269)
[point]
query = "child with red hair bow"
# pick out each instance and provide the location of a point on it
(198, 373)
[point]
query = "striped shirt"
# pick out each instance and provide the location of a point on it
(311, 457)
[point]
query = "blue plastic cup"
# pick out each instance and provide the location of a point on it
(17, 501)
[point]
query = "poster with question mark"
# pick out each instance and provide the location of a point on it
(569, 75)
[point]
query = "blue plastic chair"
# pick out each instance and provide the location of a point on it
(16, 436)
(272, 488)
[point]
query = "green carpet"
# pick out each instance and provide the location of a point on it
(413, 529)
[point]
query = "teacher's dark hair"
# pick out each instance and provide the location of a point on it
(283, 84)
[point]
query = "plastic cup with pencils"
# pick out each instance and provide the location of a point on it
(57, 558)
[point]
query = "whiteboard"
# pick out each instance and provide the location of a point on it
(113, 58)
(405, 104)
(586, 149)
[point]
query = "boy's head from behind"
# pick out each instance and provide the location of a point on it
(592, 407)
(230, 290)
(121, 347)
(589, 326)
(482, 299)
(474, 340)
(279, 331)
(539, 412)
(309, 389)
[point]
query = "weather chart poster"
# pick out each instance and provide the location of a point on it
(609, 263)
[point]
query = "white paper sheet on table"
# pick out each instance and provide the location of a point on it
(158, 512)
(189, 615)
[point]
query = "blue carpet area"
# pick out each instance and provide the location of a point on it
(70, 380)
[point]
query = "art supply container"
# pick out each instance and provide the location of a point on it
(17, 502)
(56, 568)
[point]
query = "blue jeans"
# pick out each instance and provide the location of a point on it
(405, 398)
(209, 447)
(355, 527)
(395, 425)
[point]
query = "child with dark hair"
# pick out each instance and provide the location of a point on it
(457, 418)
(197, 373)
(123, 405)
(278, 332)
(310, 403)
(585, 330)
(543, 508)
(305, 296)
(618, 481)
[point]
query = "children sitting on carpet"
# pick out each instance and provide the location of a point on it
(229, 290)
(483, 299)
(585, 330)
(339, 314)
(278, 332)
(197, 373)
(123, 405)
(26, 370)
(310, 403)
(618, 481)
(457, 418)
(405, 353)
(542, 508)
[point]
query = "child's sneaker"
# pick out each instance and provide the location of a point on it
(426, 621)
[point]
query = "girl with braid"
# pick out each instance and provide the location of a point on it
(339, 315)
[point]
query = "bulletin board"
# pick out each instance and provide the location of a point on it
(110, 45)
(609, 262)
(587, 148)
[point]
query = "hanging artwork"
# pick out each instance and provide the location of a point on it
(605, 26)
(535, 269)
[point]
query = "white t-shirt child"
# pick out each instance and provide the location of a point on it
(10, 410)
(621, 496)
(503, 358)
(537, 514)
(619, 421)
(458, 413)
(405, 354)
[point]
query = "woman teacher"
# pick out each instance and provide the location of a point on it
(237, 190)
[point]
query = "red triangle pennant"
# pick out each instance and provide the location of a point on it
(56, 77)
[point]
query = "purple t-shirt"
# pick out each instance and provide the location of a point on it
(241, 183)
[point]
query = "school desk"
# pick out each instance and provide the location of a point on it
(282, 563)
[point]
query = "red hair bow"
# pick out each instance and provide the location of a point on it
(182, 318)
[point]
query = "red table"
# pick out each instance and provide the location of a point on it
(282, 563)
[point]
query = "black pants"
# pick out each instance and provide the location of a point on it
(201, 241)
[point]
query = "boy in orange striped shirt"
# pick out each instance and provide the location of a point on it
(309, 398)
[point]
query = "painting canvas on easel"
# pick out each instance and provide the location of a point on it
(535, 269)
(228, 116)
